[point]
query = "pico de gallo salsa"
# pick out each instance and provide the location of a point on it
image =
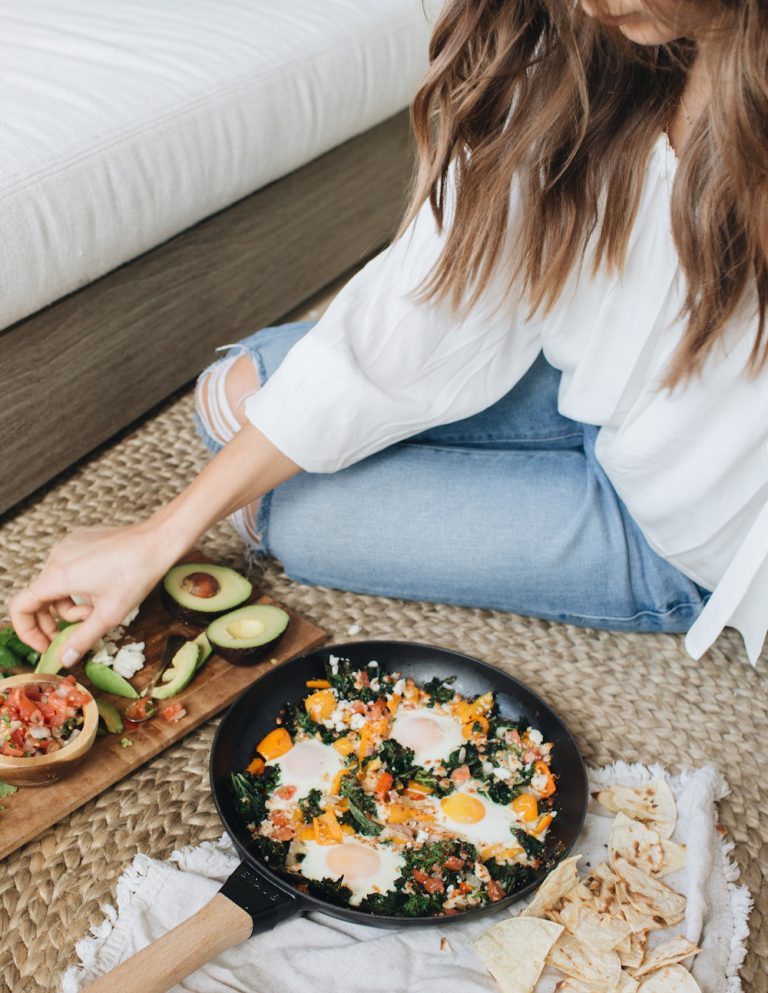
(41, 718)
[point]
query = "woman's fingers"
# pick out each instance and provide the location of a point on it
(70, 611)
(46, 623)
(84, 636)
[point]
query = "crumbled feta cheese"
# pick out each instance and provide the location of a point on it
(130, 616)
(375, 684)
(499, 772)
(487, 768)
(421, 836)
(129, 660)
(102, 657)
(333, 662)
(535, 737)
(357, 722)
(539, 782)
(399, 687)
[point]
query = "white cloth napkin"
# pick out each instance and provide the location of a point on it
(324, 954)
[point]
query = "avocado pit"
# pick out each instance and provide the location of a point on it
(200, 584)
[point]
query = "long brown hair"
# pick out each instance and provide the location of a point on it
(539, 90)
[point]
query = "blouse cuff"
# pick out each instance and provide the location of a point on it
(740, 599)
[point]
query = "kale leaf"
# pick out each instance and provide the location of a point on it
(510, 876)
(398, 760)
(440, 690)
(310, 805)
(362, 808)
(532, 847)
(251, 792)
(274, 853)
(331, 890)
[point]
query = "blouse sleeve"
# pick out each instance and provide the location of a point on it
(379, 367)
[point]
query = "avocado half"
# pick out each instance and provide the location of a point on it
(198, 591)
(50, 661)
(245, 636)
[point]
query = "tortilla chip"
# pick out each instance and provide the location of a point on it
(638, 844)
(514, 951)
(628, 984)
(652, 804)
(668, 953)
(632, 949)
(670, 979)
(674, 857)
(562, 879)
(601, 883)
(598, 969)
(601, 934)
(640, 922)
(579, 896)
(650, 896)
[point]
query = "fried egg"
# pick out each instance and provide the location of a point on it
(309, 765)
(474, 817)
(363, 868)
(431, 735)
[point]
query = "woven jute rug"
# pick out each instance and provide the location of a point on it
(632, 697)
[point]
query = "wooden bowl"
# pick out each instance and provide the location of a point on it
(40, 770)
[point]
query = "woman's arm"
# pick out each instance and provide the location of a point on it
(115, 568)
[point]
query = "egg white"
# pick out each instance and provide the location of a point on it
(309, 765)
(382, 866)
(431, 735)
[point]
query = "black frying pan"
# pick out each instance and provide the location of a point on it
(256, 898)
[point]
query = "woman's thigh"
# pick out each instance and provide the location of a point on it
(537, 533)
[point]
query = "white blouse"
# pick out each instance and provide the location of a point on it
(691, 465)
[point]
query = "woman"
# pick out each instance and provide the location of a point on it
(548, 395)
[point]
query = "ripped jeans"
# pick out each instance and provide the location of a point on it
(508, 509)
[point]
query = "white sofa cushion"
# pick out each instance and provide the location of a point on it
(127, 121)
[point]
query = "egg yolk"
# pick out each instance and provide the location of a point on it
(463, 809)
(302, 762)
(419, 733)
(352, 861)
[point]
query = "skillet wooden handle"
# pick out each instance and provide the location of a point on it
(218, 925)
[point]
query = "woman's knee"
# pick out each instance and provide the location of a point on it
(221, 392)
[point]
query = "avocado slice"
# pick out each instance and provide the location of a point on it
(205, 652)
(109, 713)
(198, 591)
(244, 636)
(183, 666)
(49, 660)
(105, 678)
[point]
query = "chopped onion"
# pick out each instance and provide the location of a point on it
(62, 691)
(39, 733)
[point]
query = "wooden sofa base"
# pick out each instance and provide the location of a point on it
(82, 369)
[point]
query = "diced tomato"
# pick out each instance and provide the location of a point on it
(283, 828)
(173, 712)
(14, 751)
(433, 885)
(139, 710)
(420, 876)
(285, 792)
(460, 775)
(495, 890)
(453, 863)
(383, 785)
(379, 707)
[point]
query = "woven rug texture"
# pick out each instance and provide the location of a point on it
(638, 698)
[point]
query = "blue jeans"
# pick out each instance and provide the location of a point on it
(508, 509)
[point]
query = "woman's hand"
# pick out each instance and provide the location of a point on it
(111, 569)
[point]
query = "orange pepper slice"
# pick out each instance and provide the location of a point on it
(256, 766)
(275, 744)
(543, 770)
(318, 684)
(327, 829)
(320, 705)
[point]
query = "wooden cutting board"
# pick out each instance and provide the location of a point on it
(32, 809)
